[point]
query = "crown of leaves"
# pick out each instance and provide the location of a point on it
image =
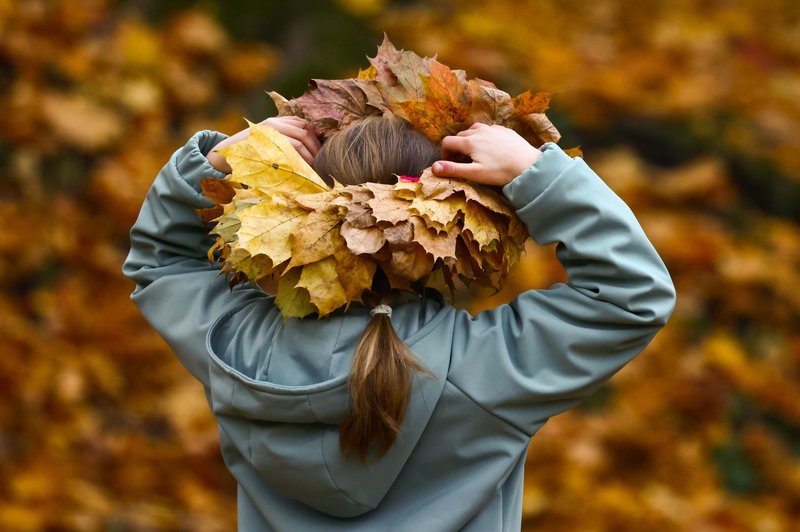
(276, 219)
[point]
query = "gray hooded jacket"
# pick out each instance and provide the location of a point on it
(279, 388)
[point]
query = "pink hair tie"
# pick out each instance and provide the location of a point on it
(407, 178)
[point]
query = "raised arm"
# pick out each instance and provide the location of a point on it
(177, 290)
(549, 349)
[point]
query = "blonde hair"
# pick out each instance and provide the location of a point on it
(376, 149)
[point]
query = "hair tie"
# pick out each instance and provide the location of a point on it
(381, 309)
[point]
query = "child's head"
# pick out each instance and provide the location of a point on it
(375, 149)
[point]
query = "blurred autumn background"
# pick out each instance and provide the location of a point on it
(689, 109)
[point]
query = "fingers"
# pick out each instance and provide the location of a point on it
(303, 150)
(469, 171)
(301, 133)
(456, 144)
(464, 141)
(497, 155)
(474, 128)
(218, 161)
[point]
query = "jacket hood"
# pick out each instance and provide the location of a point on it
(279, 404)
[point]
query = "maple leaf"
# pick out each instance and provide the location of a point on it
(252, 267)
(385, 206)
(528, 102)
(479, 223)
(220, 192)
(444, 110)
(435, 99)
(442, 215)
(320, 200)
(316, 236)
(293, 301)
(333, 104)
(266, 228)
(439, 188)
(362, 240)
(398, 72)
(266, 160)
(355, 273)
(359, 213)
(487, 103)
(400, 235)
(324, 288)
(441, 245)
(412, 263)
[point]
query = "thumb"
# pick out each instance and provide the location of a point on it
(452, 169)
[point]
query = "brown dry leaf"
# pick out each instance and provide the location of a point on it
(435, 99)
(355, 273)
(333, 104)
(488, 104)
(441, 215)
(411, 263)
(385, 206)
(529, 103)
(220, 192)
(217, 190)
(365, 240)
(398, 73)
(438, 188)
(398, 236)
(444, 109)
(359, 213)
(478, 221)
(441, 245)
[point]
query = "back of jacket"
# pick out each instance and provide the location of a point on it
(279, 387)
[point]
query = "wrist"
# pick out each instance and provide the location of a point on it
(522, 162)
(550, 164)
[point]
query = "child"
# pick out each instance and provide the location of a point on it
(423, 421)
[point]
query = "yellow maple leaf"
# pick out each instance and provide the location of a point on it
(440, 215)
(441, 245)
(355, 273)
(267, 161)
(317, 236)
(293, 301)
(480, 224)
(323, 285)
(265, 228)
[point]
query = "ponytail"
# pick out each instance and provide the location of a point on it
(380, 386)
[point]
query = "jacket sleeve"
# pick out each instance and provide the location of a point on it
(177, 290)
(549, 349)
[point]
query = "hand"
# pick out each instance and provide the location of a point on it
(498, 155)
(301, 133)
